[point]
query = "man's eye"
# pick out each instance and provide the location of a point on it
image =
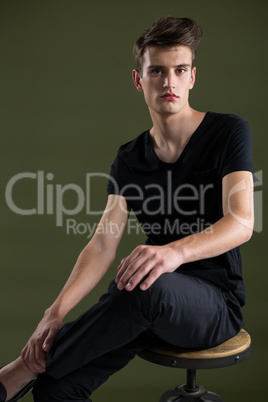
(181, 70)
(156, 71)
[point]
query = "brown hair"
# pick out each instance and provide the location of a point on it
(168, 31)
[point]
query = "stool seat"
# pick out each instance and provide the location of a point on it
(233, 351)
(228, 353)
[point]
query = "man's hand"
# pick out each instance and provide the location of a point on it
(34, 354)
(147, 262)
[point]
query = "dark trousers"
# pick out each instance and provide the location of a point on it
(177, 308)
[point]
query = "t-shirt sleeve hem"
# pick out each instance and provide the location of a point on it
(237, 168)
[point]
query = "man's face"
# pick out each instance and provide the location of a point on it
(166, 79)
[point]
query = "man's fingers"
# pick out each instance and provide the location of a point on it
(34, 358)
(29, 358)
(131, 264)
(148, 270)
(39, 359)
(23, 358)
(49, 341)
(151, 278)
(47, 344)
(121, 263)
(125, 262)
(136, 268)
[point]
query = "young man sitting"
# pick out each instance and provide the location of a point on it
(189, 181)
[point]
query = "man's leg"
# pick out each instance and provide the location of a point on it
(115, 320)
(182, 310)
(80, 384)
(192, 313)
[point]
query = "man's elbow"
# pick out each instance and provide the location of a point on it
(246, 230)
(243, 227)
(247, 234)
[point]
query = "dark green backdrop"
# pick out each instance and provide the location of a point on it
(67, 103)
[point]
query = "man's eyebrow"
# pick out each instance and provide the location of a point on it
(177, 66)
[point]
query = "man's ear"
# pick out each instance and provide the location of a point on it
(137, 80)
(193, 77)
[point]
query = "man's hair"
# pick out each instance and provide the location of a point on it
(168, 31)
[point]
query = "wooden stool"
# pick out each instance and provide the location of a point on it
(231, 352)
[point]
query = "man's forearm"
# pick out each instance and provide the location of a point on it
(149, 262)
(233, 229)
(91, 266)
(222, 236)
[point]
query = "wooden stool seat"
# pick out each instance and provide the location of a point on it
(230, 352)
(233, 351)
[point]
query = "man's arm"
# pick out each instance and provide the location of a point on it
(92, 264)
(233, 229)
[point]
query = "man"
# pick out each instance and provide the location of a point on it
(189, 181)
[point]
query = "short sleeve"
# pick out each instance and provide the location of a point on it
(113, 186)
(238, 151)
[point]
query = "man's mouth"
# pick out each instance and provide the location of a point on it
(169, 96)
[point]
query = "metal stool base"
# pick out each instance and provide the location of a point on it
(181, 394)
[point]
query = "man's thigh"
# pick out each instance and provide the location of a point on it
(190, 312)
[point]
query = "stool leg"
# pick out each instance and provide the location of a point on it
(190, 392)
(190, 386)
(185, 393)
(174, 395)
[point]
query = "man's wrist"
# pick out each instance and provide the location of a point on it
(54, 312)
(180, 247)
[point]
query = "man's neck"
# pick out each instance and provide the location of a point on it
(171, 133)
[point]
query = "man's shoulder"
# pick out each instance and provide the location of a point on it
(134, 145)
(227, 118)
(226, 125)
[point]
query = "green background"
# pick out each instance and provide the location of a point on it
(67, 103)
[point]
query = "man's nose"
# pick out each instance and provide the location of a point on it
(169, 80)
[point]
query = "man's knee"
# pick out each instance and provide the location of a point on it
(130, 302)
(128, 297)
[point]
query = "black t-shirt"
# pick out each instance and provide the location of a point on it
(174, 200)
